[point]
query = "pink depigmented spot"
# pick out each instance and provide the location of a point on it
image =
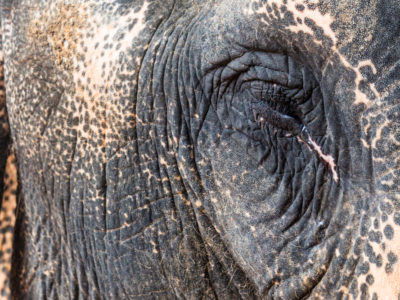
(313, 146)
(302, 141)
(327, 158)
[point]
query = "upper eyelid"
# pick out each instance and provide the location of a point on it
(274, 92)
(241, 63)
(261, 73)
(231, 74)
(273, 76)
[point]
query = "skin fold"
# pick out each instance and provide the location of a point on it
(200, 149)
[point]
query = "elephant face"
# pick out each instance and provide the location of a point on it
(205, 149)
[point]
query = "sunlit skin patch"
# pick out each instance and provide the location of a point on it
(96, 83)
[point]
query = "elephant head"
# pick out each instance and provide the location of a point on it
(205, 149)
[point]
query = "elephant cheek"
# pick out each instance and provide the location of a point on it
(268, 218)
(382, 125)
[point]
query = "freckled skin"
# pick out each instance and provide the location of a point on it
(8, 190)
(161, 153)
(7, 221)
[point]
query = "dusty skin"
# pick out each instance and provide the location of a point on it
(200, 149)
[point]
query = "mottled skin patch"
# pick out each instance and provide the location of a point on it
(309, 20)
(383, 274)
(143, 173)
(7, 222)
(58, 27)
(8, 189)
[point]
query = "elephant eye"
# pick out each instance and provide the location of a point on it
(264, 99)
(276, 105)
(257, 91)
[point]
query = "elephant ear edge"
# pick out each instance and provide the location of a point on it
(8, 188)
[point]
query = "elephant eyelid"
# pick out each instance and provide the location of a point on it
(272, 105)
(264, 114)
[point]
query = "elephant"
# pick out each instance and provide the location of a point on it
(187, 149)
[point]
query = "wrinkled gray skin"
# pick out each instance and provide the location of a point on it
(205, 149)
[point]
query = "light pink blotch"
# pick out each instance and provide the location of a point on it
(327, 158)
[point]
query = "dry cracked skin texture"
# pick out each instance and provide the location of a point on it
(144, 174)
